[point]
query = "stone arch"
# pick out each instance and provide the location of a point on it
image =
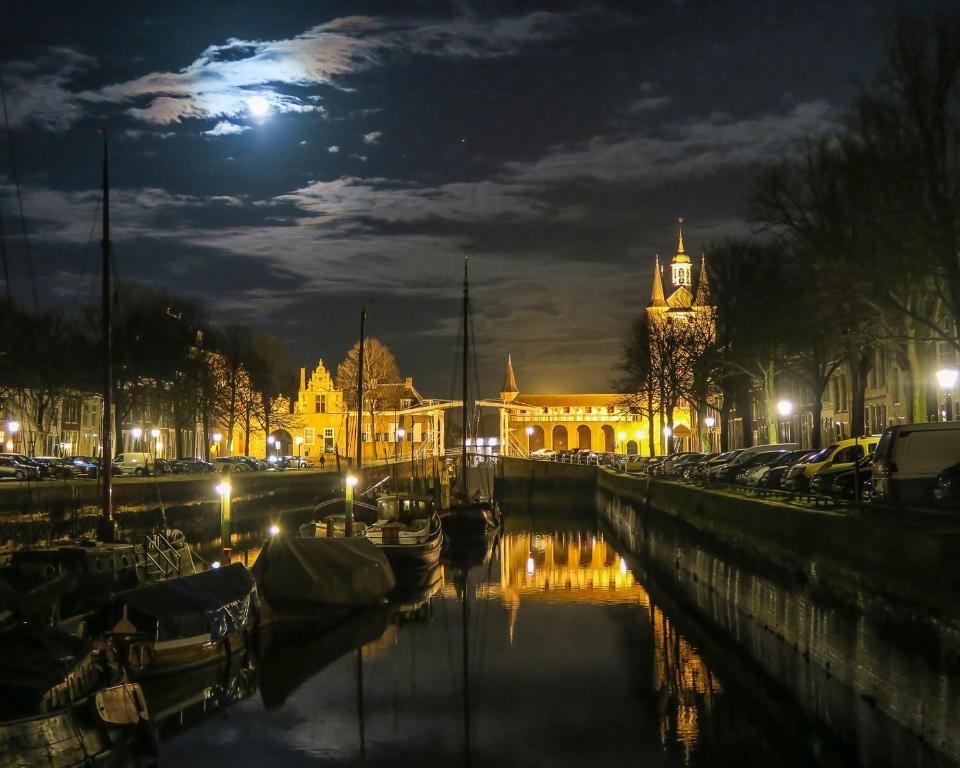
(535, 438)
(584, 437)
(609, 439)
(632, 448)
(559, 438)
(286, 443)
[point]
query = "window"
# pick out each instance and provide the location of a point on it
(589, 409)
(566, 409)
(309, 435)
(321, 403)
(328, 440)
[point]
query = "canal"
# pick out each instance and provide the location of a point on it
(565, 656)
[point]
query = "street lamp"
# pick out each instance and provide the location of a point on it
(136, 432)
(947, 378)
(529, 432)
(12, 427)
(351, 481)
(710, 422)
(223, 489)
(784, 408)
(299, 441)
(401, 432)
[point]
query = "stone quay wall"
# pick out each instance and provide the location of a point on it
(854, 615)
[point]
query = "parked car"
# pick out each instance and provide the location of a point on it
(542, 454)
(946, 493)
(88, 465)
(191, 466)
(909, 459)
(736, 471)
(12, 469)
(841, 455)
(768, 476)
(162, 467)
(59, 468)
(729, 459)
(773, 475)
(842, 483)
(233, 464)
(134, 463)
(21, 458)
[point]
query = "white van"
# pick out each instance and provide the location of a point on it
(908, 459)
(134, 463)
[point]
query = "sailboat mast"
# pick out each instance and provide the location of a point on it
(363, 319)
(466, 357)
(106, 532)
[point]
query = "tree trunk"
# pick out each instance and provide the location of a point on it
(703, 434)
(770, 403)
(246, 433)
(670, 439)
(725, 423)
(859, 364)
(816, 413)
(651, 437)
(916, 376)
(117, 442)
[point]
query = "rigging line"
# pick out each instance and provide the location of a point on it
(86, 258)
(3, 258)
(16, 184)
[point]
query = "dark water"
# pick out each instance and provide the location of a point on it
(570, 662)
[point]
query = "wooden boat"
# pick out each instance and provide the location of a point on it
(64, 583)
(64, 704)
(183, 623)
(405, 529)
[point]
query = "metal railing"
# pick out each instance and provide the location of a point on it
(163, 555)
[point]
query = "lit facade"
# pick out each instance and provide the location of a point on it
(321, 424)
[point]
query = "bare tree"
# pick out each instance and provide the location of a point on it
(379, 368)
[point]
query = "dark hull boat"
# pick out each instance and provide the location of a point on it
(185, 623)
(409, 545)
(298, 575)
(62, 704)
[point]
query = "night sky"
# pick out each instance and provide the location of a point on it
(560, 141)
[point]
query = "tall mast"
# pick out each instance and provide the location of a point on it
(106, 532)
(466, 356)
(363, 319)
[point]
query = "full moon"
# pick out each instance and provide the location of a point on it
(258, 106)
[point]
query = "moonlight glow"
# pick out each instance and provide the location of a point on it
(258, 106)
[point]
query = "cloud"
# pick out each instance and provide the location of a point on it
(361, 158)
(684, 150)
(226, 128)
(648, 104)
(37, 91)
(373, 137)
(333, 149)
(218, 83)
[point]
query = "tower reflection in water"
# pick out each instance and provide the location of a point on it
(584, 568)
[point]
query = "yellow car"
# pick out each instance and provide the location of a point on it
(841, 455)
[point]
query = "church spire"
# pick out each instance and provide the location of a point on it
(702, 297)
(680, 266)
(509, 390)
(656, 295)
(680, 237)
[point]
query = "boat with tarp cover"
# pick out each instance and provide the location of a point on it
(298, 574)
(182, 623)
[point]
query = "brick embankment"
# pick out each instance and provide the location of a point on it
(50, 510)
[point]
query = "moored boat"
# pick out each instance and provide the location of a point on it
(182, 623)
(64, 703)
(297, 575)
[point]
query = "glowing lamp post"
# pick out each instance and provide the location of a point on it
(217, 437)
(785, 408)
(529, 433)
(12, 427)
(667, 434)
(621, 437)
(136, 433)
(710, 422)
(401, 433)
(348, 506)
(299, 441)
(223, 489)
(947, 378)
